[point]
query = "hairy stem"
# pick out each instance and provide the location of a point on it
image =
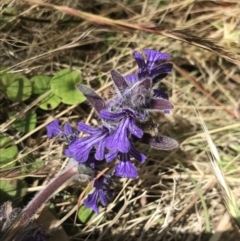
(47, 192)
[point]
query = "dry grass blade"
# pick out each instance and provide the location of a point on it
(207, 44)
(203, 90)
(215, 160)
(149, 27)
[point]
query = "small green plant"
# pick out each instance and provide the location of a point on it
(8, 150)
(25, 123)
(17, 87)
(63, 85)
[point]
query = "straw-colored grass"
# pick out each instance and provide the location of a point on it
(177, 195)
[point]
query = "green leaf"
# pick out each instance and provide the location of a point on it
(41, 84)
(5, 78)
(50, 102)
(8, 150)
(26, 123)
(12, 190)
(85, 214)
(63, 84)
(17, 87)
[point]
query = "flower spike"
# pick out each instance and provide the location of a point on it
(121, 124)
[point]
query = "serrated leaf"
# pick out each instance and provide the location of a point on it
(85, 214)
(41, 84)
(50, 102)
(63, 85)
(18, 87)
(26, 123)
(8, 150)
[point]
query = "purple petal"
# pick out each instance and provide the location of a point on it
(80, 149)
(91, 201)
(158, 78)
(102, 197)
(131, 78)
(119, 81)
(160, 93)
(160, 142)
(99, 155)
(139, 59)
(125, 168)
(107, 115)
(96, 101)
(119, 139)
(67, 152)
(159, 104)
(134, 129)
(80, 153)
(68, 129)
(161, 70)
(100, 185)
(153, 57)
(111, 155)
(137, 155)
(53, 129)
(88, 129)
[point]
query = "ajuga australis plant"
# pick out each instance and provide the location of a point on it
(115, 139)
(121, 118)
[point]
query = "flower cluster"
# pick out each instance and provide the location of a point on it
(121, 119)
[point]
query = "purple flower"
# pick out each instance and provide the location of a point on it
(119, 139)
(68, 135)
(151, 71)
(160, 93)
(100, 193)
(121, 120)
(81, 148)
(150, 67)
(133, 152)
(125, 168)
(53, 129)
(140, 98)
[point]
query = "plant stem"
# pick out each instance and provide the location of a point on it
(42, 196)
